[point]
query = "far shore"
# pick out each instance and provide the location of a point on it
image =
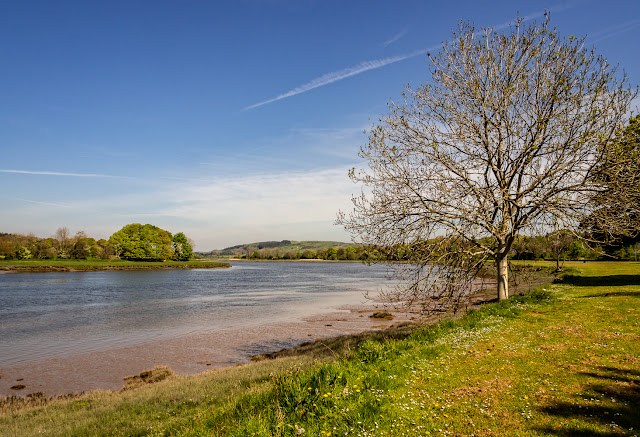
(43, 266)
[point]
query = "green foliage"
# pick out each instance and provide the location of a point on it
(143, 242)
(23, 253)
(182, 249)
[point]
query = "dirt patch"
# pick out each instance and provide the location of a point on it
(157, 374)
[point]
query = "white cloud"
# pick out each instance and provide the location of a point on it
(223, 212)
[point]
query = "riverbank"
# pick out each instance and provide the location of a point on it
(186, 354)
(41, 266)
(75, 365)
(560, 361)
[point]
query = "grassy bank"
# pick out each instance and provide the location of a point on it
(564, 360)
(83, 265)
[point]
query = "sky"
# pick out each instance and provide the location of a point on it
(233, 122)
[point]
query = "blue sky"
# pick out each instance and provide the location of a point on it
(232, 122)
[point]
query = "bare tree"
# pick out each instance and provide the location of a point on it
(500, 142)
(63, 241)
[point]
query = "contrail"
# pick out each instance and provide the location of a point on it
(342, 74)
(45, 203)
(56, 173)
(394, 38)
(335, 76)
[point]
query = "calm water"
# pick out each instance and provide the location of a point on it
(45, 315)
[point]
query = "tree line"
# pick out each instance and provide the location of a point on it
(132, 242)
(350, 253)
(554, 246)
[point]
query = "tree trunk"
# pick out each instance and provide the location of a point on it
(502, 276)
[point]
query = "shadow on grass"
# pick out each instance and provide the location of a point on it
(612, 401)
(595, 281)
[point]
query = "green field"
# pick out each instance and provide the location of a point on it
(563, 360)
(70, 265)
(283, 246)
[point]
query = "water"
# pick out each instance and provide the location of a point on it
(48, 315)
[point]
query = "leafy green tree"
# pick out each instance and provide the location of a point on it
(143, 242)
(81, 246)
(182, 248)
(308, 254)
(23, 253)
(616, 216)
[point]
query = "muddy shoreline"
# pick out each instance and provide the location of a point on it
(196, 353)
(188, 354)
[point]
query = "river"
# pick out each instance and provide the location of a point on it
(184, 318)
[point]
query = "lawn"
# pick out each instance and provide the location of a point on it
(561, 361)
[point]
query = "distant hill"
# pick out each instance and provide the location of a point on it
(282, 247)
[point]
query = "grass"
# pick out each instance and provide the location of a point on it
(62, 265)
(563, 360)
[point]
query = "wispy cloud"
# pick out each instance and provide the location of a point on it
(57, 173)
(335, 76)
(613, 31)
(394, 38)
(38, 202)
